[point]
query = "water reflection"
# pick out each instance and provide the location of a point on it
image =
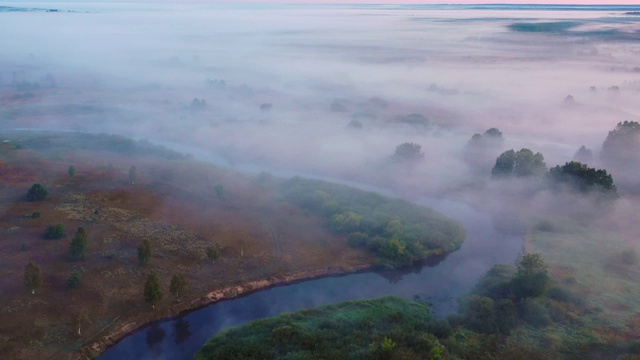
(181, 331)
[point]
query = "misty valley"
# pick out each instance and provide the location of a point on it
(311, 181)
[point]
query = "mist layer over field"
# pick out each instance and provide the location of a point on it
(281, 84)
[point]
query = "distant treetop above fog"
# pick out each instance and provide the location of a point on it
(521, 163)
(621, 149)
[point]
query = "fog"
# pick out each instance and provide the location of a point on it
(281, 84)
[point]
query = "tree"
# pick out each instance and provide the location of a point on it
(32, 277)
(531, 278)
(521, 163)
(408, 151)
(37, 192)
(78, 247)
(583, 155)
(621, 147)
(133, 174)
(583, 178)
(213, 253)
(73, 281)
(54, 231)
(504, 164)
(152, 291)
(178, 285)
(72, 170)
(144, 252)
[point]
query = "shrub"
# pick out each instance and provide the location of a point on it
(54, 231)
(35, 215)
(37, 192)
(73, 281)
(534, 313)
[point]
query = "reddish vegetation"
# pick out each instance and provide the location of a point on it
(175, 206)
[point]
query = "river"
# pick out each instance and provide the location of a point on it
(441, 284)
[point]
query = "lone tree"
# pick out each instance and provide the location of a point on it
(37, 192)
(78, 247)
(481, 149)
(178, 285)
(152, 291)
(213, 253)
(32, 277)
(521, 163)
(72, 170)
(133, 174)
(408, 151)
(144, 252)
(531, 278)
(73, 281)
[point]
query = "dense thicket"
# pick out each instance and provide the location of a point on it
(371, 329)
(398, 232)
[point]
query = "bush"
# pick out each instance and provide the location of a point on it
(37, 192)
(35, 215)
(54, 231)
(440, 328)
(534, 313)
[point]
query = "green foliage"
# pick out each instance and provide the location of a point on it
(73, 281)
(398, 232)
(408, 151)
(56, 231)
(370, 329)
(521, 163)
(23, 247)
(71, 171)
(178, 285)
(479, 313)
(78, 246)
(37, 192)
(144, 252)
(152, 290)
(32, 277)
(583, 178)
(496, 283)
(534, 312)
(35, 214)
(219, 189)
(531, 278)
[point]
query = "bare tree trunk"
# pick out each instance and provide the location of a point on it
(79, 334)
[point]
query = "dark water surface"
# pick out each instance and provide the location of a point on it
(441, 284)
